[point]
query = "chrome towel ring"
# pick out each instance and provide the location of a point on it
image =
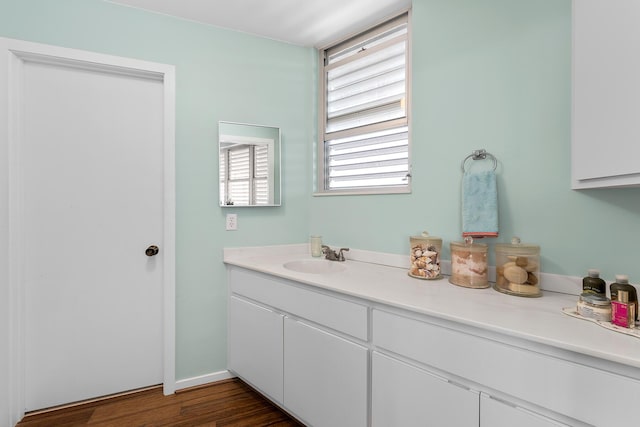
(480, 155)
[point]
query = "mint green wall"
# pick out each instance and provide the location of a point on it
(494, 74)
(221, 75)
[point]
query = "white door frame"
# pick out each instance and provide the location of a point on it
(18, 53)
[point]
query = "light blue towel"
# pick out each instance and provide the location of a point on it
(479, 204)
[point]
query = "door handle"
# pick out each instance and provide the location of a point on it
(152, 250)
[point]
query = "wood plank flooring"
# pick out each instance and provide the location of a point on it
(224, 403)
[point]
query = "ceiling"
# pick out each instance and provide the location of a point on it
(311, 23)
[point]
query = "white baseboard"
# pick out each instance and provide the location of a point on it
(203, 379)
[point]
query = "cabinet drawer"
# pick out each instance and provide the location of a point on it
(335, 313)
(558, 385)
(498, 414)
(403, 395)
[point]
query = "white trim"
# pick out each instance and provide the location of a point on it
(19, 52)
(169, 277)
(203, 379)
(16, 293)
(364, 191)
(237, 139)
(52, 59)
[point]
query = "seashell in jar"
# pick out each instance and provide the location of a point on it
(515, 274)
(521, 288)
(480, 257)
(463, 254)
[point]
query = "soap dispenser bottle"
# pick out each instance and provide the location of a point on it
(593, 284)
(622, 284)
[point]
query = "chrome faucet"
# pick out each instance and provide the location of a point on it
(332, 255)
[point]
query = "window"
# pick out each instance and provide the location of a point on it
(244, 175)
(364, 144)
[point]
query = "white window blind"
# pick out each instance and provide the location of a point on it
(366, 127)
(239, 175)
(224, 199)
(261, 174)
(244, 175)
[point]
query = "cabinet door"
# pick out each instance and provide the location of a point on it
(606, 94)
(325, 377)
(403, 395)
(255, 346)
(494, 413)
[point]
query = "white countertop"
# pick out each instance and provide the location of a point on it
(535, 319)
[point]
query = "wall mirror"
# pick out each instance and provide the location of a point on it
(249, 164)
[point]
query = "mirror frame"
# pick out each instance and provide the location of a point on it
(275, 172)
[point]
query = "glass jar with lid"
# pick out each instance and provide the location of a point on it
(518, 269)
(594, 306)
(425, 256)
(469, 264)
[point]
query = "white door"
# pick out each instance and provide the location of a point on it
(89, 200)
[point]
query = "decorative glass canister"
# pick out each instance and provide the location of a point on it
(518, 269)
(469, 264)
(425, 256)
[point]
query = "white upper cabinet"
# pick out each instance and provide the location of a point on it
(606, 94)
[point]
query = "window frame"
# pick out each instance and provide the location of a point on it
(320, 164)
(251, 144)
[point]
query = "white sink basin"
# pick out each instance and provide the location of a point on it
(314, 266)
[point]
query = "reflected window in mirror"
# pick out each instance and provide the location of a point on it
(249, 157)
(245, 178)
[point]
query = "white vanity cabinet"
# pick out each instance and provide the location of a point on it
(325, 377)
(331, 358)
(304, 349)
(561, 387)
(606, 94)
(405, 395)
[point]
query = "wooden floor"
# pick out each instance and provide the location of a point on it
(225, 403)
